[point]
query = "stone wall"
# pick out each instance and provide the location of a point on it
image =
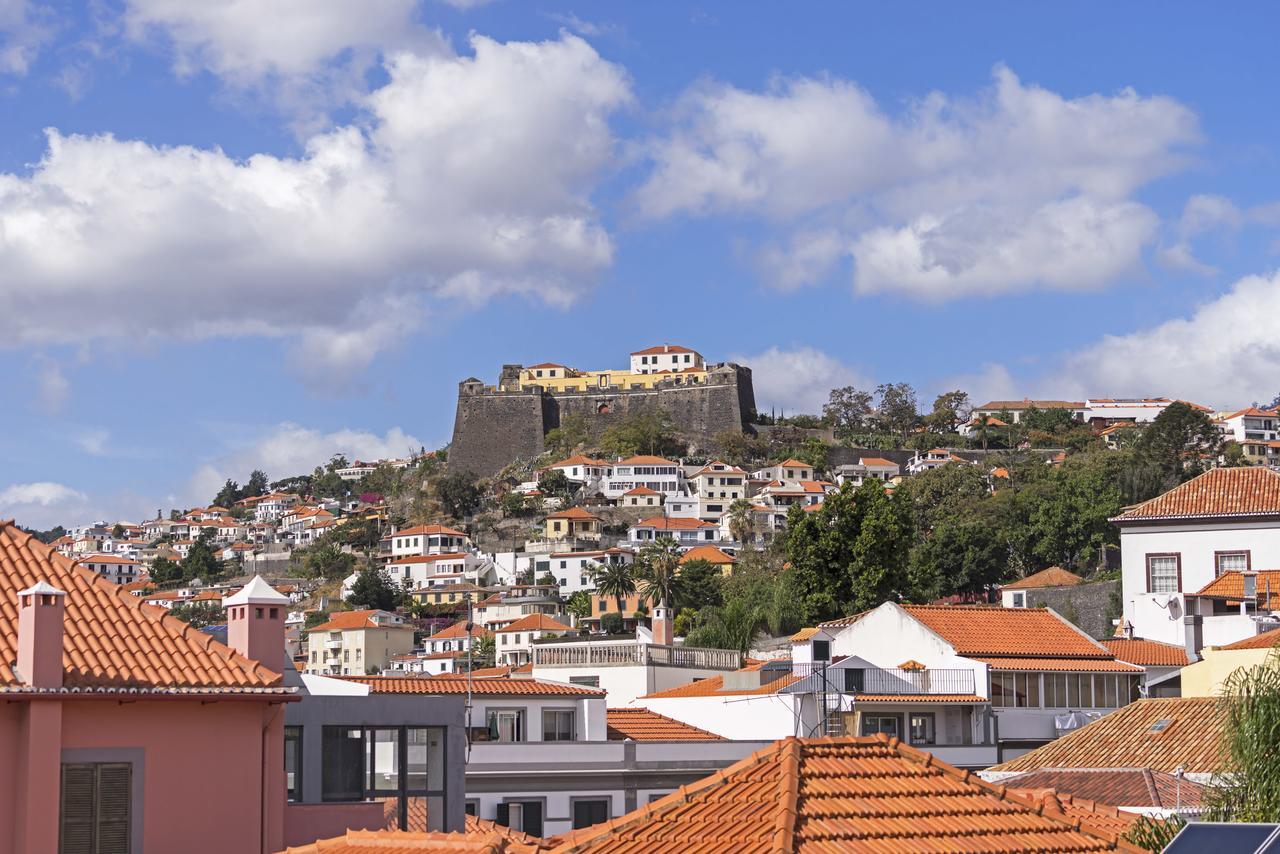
(493, 428)
(1086, 605)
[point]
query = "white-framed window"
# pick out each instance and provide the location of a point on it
(1230, 562)
(1164, 573)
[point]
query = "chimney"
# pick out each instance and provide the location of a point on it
(255, 623)
(1193, 635)
(40, 610)
(661, 625)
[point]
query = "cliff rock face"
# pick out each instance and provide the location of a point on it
(496, 426)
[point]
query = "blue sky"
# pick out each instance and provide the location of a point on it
(238, 235)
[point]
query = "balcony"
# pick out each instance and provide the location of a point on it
(591, 654)
(333, 644)
(891, 681)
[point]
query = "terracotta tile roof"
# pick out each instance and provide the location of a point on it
(1124, 739)
(345, 620)
(1099, 816)
(710, 554)
(1148, 653)
(105, 559)
(578, 460)
(428, 530)
(792, 463)
(920, 698)
(573, 513)
(1054, 576)
(872, 794)
(1067, 665)
(1230, 586)
(455, 684)
(804, 634)
(641, 490)
(1117, 787)
(1026, 403)
(1247, 491)
(1252, 410)
(672, 524)
(536, 623)
(663, 348)
(842, 621)
(459, 630)
(1013, 632)
(111, 640)
(877, 461)
(1262, 641)
(644, 460)
(713, 686)
(482, 840)
(644, 725)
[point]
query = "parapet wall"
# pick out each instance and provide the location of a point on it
(493, 428)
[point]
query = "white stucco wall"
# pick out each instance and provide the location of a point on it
(743, 717)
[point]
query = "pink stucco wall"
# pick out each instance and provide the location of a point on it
(203, 768)
(305, 823)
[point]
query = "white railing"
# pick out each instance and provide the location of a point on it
(616, 654)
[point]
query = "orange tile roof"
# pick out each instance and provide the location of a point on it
(1123, 739)
(1252, 410)
(1054, 576)
(663, 348)
(1117, 787)
(804, 634)
(644, 460)
(1148, 653)
(428, 530)
(641, 490)
(111, 640)
(345, 620)
(578, 460)
(477, 837)
(105, 559)
(644, 725)
(1230, 586)
(428, 558)
(877, 461)
(672, 524)
(1262, 641)
(1026, 403)
(455, 685)
(710, 554)
(536, 623)
(1098, 816)
(827, 794)
(1247, 491)
(1060, 665)
(573, 513)
(713, 686)
(459, 630)
(792, 463)
(1013, 632)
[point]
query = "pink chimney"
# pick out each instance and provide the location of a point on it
(40, 609)
(660, 625)
(255, 623)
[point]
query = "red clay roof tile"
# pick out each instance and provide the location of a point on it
(1054, 576)
(1117, 787)
(1013, 632)
(1247, 491)
(643, 725)
(454, 684)
(1148, 653)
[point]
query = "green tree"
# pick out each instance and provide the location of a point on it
(574, 431)
(961, 555)
(325, 483)
(314, 618)
(361, 534)
(255, 486)
(579, 604)
(556, 482)
(738, 448)
(1233, 455)
(648, 431)
(741, 522)
(327, 560)
(734, 625)
(617, 580)
(898, 411)
(199, 614)
(847, 410)
(483, 651)
(699, 586)
(1179, 441)
(372, 589)
(200, 562)
(117, 531)
(165, 571)
(950, 410)
(459, 494)
(1249, 784)
(657, 568)
(228, 495)
(611, 623)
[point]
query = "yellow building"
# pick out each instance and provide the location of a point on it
(1205, 677)
(648, 368)
(357, 643)
(573, 524)
(449, 594)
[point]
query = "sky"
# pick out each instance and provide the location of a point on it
(249, 234)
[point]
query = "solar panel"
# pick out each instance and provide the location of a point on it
(1238, 838)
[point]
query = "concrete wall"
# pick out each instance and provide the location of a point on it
(1205, 677)
(1086, 605)
(742, 716)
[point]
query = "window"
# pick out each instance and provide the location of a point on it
(877, 724)
(524, 816)
(821, 650)
(506, 725)
(96, 808)
(589, 681)
(923, 728)
(396, 764)
(293, 762)
(854, 680)
(1230, 562)
(589, 812)
(557, 725)
(1164, 573)
(1015, 689)
(1019, 600)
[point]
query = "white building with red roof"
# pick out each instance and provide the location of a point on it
(666, 357)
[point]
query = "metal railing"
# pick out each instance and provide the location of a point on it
(616, 654)
(887, 680)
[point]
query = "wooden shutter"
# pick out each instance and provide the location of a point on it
(76, 810)
(95, 807)
(503, 816)
(113, 797)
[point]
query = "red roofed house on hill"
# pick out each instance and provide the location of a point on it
(1194, 560)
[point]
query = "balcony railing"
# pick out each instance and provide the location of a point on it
(887, 680)
(619, 654)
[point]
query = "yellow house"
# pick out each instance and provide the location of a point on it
(573, 524)
(554, 377)
(712, 555)
(1205, 677)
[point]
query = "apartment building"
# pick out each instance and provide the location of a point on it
(513, 643)
(114, 568)
(686, 532)
(356, 643)
(717, 485)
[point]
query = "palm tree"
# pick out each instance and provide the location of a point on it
(617, 580)
(659, 563)
(741, 525)
(733, 626)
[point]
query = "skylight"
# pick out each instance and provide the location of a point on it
(1160, 726)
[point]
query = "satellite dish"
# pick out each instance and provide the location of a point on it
(1162, 600)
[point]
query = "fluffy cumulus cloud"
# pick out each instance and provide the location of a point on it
(291, 449)
(471, 177)
(43, 493)
(1013, 189)
(799, 379)
(1225, 354)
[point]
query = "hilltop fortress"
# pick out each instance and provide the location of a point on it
(496, 425)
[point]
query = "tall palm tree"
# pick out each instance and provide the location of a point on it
(659, 563)
(741, 525)
(617, 580)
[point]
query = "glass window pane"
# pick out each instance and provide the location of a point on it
(424, 768)
(587, 813)
(293, 762)
(1086, 691)
(1033, 690)
(342, 764)
(382, 757)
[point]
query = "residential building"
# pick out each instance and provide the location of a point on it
(721, 560)
(1207, 677)
(573, 571)
(641, 496)
(1251, 425)
(789, 469)
(717, 485)
(1173, 547)
(783, 494)
(434, 570)
(110, 706)
(686, 532)
(934, 458)
(270, 507)
(428, 540)
(581, 469)
(114, 568)
(867, 467)
(1162, 663)
(667, 358)
(632, 604)
(660, 475)
(1014, 594)
(514, 641)
(628, 667)
(357, 642)
(517, 601)
(448, 594)
(573, 524)
(1016, 408)
(1136, 410)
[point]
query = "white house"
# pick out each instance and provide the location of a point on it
(655, 473)
(428, 540)
(1177, 544)
(717, 486)
(1251, 425)
(415, 572)
(934, 458)
(1137, 410)
(790, 469)
(269, 508)
(628, 668)
(667, 357)
(572, 570)
(581, 469)
(514, 641)
(686, 532)
(866, 468)
(1016, 408)
(114, 568)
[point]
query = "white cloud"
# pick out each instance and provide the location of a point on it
(1205, 214)
(472, 178)
(1016, 188)
(1225, 354)
(93, 441)
(43, 493)
(990, 382)
(24, 29)
(290, 449)
(52, 387)
(798, 380)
